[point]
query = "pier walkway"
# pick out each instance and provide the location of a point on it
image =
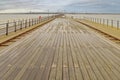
(61, 50)
(112, 31)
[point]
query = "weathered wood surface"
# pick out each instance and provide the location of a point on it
(60, 50)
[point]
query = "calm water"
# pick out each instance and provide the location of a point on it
(103, 16)
(11, 17)
(110, 17)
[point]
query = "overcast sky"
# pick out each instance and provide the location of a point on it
(99, 6)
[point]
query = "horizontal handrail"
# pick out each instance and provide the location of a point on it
(6, 28)
(107, 22)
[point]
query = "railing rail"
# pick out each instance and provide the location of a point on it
(107, 22)
(6, 28)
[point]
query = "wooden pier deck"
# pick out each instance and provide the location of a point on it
(61, 50)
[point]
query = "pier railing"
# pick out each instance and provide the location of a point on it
(6, 28)
(106, 22)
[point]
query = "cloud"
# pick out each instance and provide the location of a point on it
(54, 5)
(95, 6)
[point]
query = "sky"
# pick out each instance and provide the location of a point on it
(81, 6)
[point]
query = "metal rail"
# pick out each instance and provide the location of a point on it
(6, 28)
(107, 22)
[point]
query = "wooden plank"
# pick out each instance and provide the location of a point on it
(74, 50)
(59, 64)
(70, 61)
(46, 74)
(44, 61)
(65, 58)
(14, 62)
(60, 50)
(55, 61)
(107, 62)
(35, 66)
